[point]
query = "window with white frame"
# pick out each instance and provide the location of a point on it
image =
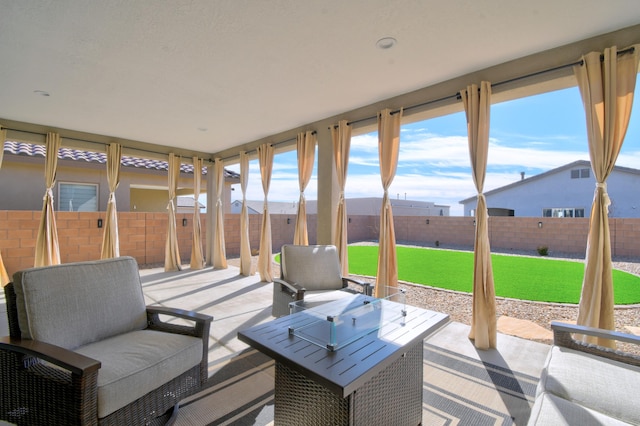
(563, 212)
(77, 197)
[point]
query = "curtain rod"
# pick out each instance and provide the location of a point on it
(272, 144)
(500, 83)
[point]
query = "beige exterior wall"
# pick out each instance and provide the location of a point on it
(22, 184)
(143, 235)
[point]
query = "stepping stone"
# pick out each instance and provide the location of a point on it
(633, 330)
(523, 328)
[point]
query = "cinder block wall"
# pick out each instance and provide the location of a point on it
(143, 235)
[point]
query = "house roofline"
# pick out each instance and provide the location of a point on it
(35, 150)
(547, 173)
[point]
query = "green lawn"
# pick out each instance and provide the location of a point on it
(518, 277)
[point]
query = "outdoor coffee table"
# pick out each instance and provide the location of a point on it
(357, 361)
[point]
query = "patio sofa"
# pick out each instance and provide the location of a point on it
(584, 384)
(84, 349)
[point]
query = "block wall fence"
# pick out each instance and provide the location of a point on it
(143, 235)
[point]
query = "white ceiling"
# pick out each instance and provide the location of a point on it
(161, 71)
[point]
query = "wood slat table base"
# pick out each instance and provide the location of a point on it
(393, 396)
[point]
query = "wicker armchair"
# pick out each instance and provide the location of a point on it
(310, 271)
(84, 349)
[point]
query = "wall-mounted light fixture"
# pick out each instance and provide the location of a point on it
(99, 223)
(427, 221)
(288, 220)
(539, 224)
(474, 222)
(349, 220)
(184, 221)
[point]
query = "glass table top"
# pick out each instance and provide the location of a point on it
(336, 324)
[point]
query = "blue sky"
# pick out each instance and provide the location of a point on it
(530, 135)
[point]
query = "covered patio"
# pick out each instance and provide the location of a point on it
(494, 384)
(218, 83)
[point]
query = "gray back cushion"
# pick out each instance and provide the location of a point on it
(73, 304)
(312, 267)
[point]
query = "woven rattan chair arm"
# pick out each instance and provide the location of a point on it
(71, 361)
(367, 288)
(201, 326)
(562, 336)
(294, 289)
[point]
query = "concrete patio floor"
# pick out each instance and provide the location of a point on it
(237, 302)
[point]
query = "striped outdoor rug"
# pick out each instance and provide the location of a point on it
(458, 390)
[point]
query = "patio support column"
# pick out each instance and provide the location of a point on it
(477, 106)
(4, 277)
(388, 151)
(328, 191)
(110, 239)
(197, 261)
(265, 158)
(210, 217)
(47, 249)
(607, 84)
(172, 253)
(219, 254)
(306, 151)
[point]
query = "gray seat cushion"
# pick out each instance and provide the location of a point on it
(312, 267)
(594, 382)
(552, 410)
(74, 304)
(138, 362)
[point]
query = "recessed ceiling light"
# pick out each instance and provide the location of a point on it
(41, 92)
(386, 43)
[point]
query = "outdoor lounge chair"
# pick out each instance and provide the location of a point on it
(84, 349)
(310, 272)
(586, 384)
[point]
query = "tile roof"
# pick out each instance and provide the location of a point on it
(35, 150)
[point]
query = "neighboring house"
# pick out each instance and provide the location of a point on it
(275, 207)
(370, 206)
(186, 204)
(566, 191)
(81, 181)
(355, 206)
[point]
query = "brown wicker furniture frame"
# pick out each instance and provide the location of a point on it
(44, 384)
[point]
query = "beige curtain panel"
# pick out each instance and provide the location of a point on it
(341, 137)
(607, 86)
(219, 253)
(172, 253)
(477, 106)
(4, 277)
(47, 249)
(110, 239)
(388, 150)
(197, 256)
(245, 243)
(306, 149)
(265, 157)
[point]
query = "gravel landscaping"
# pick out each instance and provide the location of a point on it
(458, 305)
